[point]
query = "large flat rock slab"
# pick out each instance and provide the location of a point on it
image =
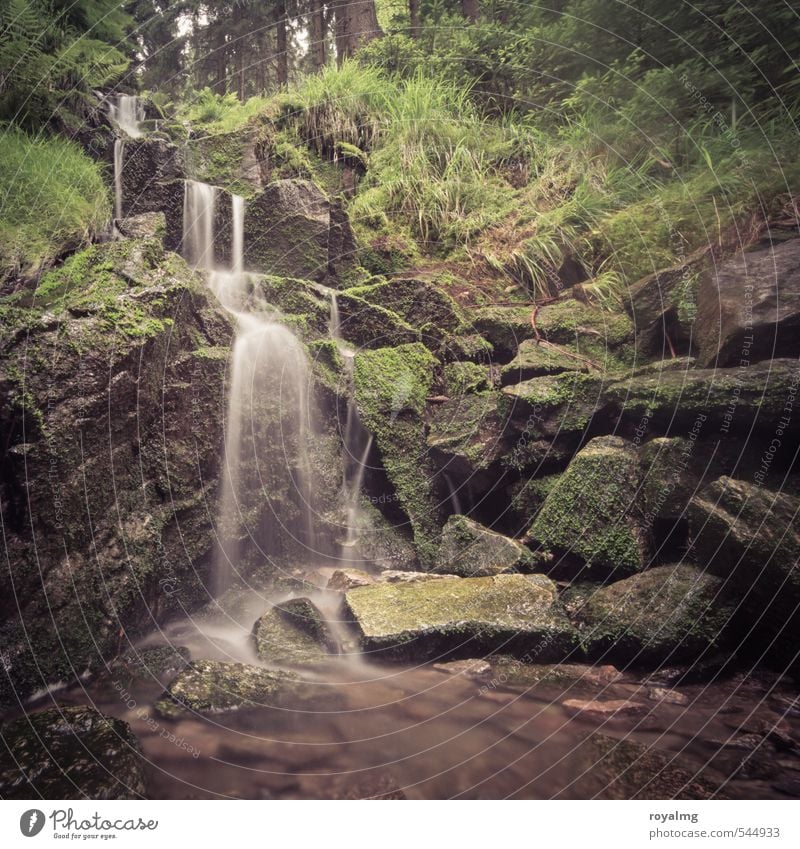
(513, 614)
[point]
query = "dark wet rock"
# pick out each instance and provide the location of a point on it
(590, 511)
(343, 580)
(293, 632)
(471, 550)
(750, 537)
(149, 663)
(123, 388)
(750, 308)
(627, 770)
(669, 613)
(211, 686)
(663, 307)
(70, 753)
(732, 400)
(294, 230)
(512, 613)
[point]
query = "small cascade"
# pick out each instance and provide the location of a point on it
(455, 501)
(269, 424)
(127, 112)
(357, 444)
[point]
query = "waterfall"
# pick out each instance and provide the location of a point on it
(269, 422)
(357, 442)
(127, 112)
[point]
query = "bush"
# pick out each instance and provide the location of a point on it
(52, 199)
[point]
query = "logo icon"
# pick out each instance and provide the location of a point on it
(31, 822)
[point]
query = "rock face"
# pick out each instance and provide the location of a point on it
(467, 617)
(470, 550)
(292, 229)
(69, 753)
(750, 537)
(750, 309)
(666, 614)
(210, 686)
(113, 406)
(589, 511)
(293, 632)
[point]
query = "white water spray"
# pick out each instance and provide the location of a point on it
(127, 112)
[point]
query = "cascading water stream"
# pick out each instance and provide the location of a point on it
(268, 425)
(127, 112)
(357, 443)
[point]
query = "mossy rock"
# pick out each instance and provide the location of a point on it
(574, 677)
(749, 536)
(293, 633)
(735, 400)
(590, 510)
(537, 359)
(462, 378)
(560, 403)
(368, 325)
(212, 686)
(391, 389)
(466, 617)
(504, 327)
(528, 496)
(666, 614)
(69, 753)
(420, 303)
(471, 550)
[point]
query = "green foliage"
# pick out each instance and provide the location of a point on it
(53, 199)
(208, 112)
(54, 53)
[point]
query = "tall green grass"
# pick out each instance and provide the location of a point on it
(52, 199)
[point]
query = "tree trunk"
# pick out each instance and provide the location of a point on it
(317, 34)
(413, 11)
(356, 25)
(471, 9)
(281, 45)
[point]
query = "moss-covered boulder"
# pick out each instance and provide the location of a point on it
(750, 537)
(293, 632)
(303, 308)
(70, 753)
(471, 550)
(230, 160)
(559, 404)
(536, 359)
(420, 303)
(466, 617)
(465, 377)
(212, 686)
(368, 325)
(112, 379)
(391, 388)
(666, 614)
(733, 400)
(148, 225)
(590, 511)
(504, 327)
(292, 229)
(469, 433)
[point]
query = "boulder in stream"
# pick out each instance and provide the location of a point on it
(471, 550)
(213, 686)
(293, 632)
(468, 617)
(70, 753)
